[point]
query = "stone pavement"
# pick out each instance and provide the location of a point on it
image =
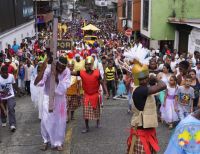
(109, 139)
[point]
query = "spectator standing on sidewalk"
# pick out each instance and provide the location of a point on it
(15, 47)
(28, 72)
(21, 76)
(7, 82)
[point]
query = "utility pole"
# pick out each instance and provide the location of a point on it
(36, 27)
(73, 13)
(61, 7)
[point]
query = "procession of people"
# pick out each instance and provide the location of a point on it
(158, 85)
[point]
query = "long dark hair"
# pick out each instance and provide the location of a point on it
(193, 70)
(168, 67)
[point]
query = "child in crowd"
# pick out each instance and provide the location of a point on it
(168, 113)
(121, 89)
(184, 98)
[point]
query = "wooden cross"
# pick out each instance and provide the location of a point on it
(53, 48)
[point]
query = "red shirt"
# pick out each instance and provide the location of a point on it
(11, 51)
(11, 69)
(91, 87)
(168, 52)
(85, 52)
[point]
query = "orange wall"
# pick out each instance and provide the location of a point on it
(136, 15)
(119, 14)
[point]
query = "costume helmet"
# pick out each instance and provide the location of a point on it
(138, 55)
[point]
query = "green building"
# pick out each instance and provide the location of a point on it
(169, 22)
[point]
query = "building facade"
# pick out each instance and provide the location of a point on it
(17, 22)
(168, 22)
(129, 12)
(160, 22)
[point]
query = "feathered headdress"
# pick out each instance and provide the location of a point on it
(139, 56)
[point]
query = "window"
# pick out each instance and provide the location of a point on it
(129, 10)
(124, 10)
(145, 14)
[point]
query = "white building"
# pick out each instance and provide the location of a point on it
(17, 21)
(17, 34)
(104, 3)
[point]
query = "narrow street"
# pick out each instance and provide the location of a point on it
(109, 139)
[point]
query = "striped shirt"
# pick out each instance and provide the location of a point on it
(110, 73)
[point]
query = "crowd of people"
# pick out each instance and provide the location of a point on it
(88, 71)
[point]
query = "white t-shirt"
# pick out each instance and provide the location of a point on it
(6, 85)
(173, 65)
(197, 72)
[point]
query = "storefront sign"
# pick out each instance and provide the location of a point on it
(194, 40)
(64, 45)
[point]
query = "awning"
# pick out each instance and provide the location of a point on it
(191, 22)
(90, 27)
(194, 25)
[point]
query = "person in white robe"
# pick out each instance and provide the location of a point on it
(53, 123)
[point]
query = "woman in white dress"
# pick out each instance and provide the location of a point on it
(164, 76)
(37, 92)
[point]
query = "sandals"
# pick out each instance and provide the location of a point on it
(60, 148)
(170, 126)
(44, 147)
(85, 131)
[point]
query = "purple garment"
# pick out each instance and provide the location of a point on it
(93, 51)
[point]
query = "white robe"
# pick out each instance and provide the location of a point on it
(53, 125)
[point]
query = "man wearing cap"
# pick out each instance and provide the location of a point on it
(142, 137)
(10, 67)
(91, 80)
(53, 123)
